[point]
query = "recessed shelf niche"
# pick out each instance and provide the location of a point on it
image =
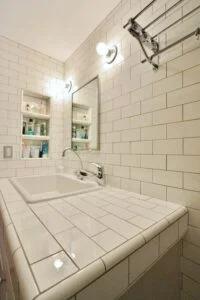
(35, 127)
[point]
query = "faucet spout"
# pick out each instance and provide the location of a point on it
(75, 152)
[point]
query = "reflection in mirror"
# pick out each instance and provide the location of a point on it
(85, 117)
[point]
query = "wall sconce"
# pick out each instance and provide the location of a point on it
(110, 53)
(68, 86)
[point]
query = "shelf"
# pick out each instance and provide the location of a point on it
(76, 140)
(35, 115)
(35, 137)
(80, 106)
(80, 122)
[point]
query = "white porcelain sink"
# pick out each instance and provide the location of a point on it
(40, 188)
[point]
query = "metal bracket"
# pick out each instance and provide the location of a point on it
(144, 39)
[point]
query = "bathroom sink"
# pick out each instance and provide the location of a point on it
(41, 188)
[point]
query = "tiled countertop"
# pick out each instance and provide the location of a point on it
(61, 246)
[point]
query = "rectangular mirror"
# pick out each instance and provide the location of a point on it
(85, 117)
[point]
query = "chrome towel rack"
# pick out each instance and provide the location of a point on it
(146, 40)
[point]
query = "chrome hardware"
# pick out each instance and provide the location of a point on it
(144, 38)
(75, 152)
(99, 170)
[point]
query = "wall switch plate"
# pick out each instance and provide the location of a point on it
(7, 152)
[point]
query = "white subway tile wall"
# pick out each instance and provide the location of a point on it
(23, 68)
(150, 121)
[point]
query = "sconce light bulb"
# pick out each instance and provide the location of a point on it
(102, 49)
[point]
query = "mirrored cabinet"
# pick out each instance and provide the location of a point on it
(85, 117)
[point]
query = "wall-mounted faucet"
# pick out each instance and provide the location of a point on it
(81, 172)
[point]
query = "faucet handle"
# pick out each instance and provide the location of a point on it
(99, 170)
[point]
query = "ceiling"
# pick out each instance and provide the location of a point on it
(53, 27)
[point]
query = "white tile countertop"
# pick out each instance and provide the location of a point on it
(72, 246)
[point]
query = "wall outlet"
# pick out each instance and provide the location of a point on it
(7, 152)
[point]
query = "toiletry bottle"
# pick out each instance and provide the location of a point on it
(43, 128)
(37, 128)
(40, 152)
(24, 128)
(30, 127)
(74, 131)
(82, 132)
(45, 149)
(86, 132)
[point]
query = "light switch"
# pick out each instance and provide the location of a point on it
(7, 152)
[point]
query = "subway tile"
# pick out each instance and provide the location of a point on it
(156, 132)
(191, 76)
(153, 161)
(143, 258)
(185, 95)
(86, 224)
(46, 273)
(194, 217)
(130, 185)
(183, 62)
(152, 76)
(190, 269)
(184, 197)
(169, 115)
(124, 228)
(153, 104)
(121, 148)
(168, 237)
(131, 110)
(130, 135)
(193, 235)
(130, 160)
(154, 190)
(121, 124)
(145, 92)
(121, 101)
(121, 171)
(141, 120)
(131, 85)
(108, 240)
(142, 174)
(192, 146)
(109, 286)
(170, 146)
(76, 244)
(191, 252)
(23, 271)
(143, 147)
(183, 163)
(183, 129)
(168, 178)
(168, 84)
(192, 181)
(191, 111)
(122, 213)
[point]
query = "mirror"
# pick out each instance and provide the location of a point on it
(85, 115)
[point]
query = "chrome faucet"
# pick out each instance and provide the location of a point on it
(72, 150)
(82, 173)
(99, 170)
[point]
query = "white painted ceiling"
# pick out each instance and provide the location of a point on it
(53, 27)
